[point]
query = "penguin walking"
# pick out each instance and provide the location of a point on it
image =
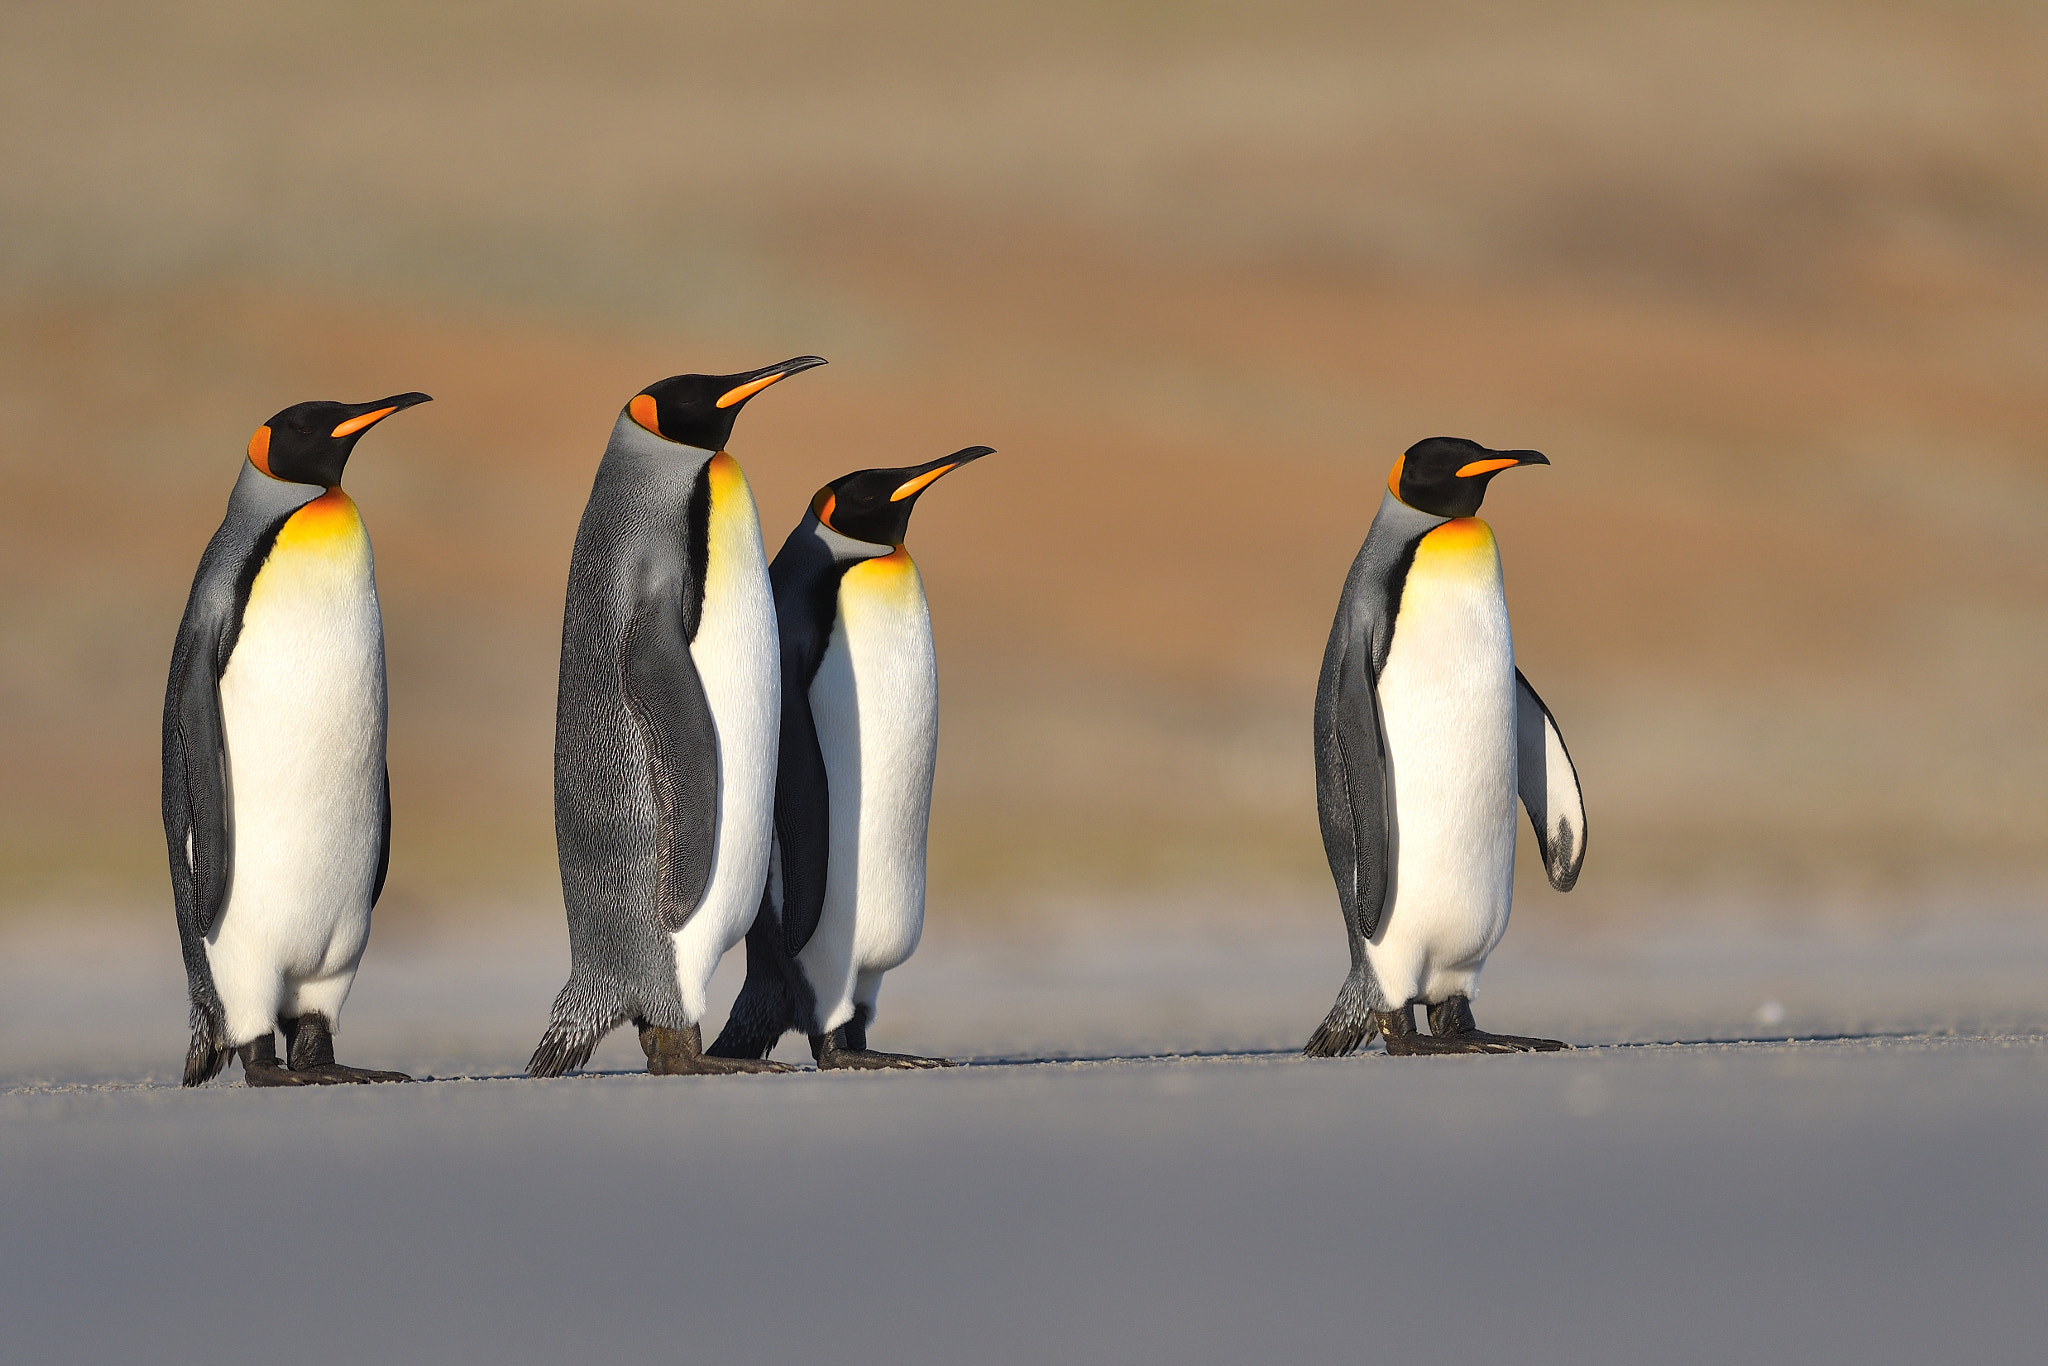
(665, 727)
(277, 806)
(845, 896)
(1425, 732)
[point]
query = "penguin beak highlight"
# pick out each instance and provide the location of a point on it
(383, 407)
(932, 473)
(760, 379)
(1505, 460)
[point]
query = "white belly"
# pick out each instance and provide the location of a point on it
(303, 714)
(875, 702)
(1447, 701)
(738, 659)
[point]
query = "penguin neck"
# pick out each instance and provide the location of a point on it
(633, 446)
(258, 493)
(846, 549)
(1397, 519)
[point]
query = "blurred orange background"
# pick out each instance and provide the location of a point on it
(1768, 282)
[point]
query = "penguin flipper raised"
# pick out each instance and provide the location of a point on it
(1352, 797)
(1549, 787)
(665, 696)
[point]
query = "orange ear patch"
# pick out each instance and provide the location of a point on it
(1394, 478)
(1485, 467)
(642, 411)
(259, 449)
(822, 505)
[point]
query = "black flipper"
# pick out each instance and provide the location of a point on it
(805, 576)
(195, 828)
(1549, 787)
(666, 698)
(1352, 788)
(383, 842)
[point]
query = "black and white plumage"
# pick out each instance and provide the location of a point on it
(276, 801)
(845, 899)
(1425, 734)
(666, 725)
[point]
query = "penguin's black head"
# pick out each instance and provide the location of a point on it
(309, 443)
(1446, 476)
(698, 410)
(874, 505)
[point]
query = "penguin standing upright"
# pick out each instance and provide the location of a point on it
(665, 727)
(277, 806)
(1425, 731)
(845, 897)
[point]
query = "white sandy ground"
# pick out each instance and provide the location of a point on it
(1690, 1188)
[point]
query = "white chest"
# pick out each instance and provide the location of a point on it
(303, 715)
(1447, 703)
(875, 702)
(738, 663)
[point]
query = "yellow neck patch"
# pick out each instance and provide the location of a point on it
(886, 578)
(328, 522)
(1460, 542)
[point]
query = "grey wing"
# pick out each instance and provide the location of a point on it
(665, 696)
(1549, 787)
(1352, 781)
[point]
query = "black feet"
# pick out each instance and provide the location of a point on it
(1452, 1021)
(1451, 1031)
(309, 1041)
(845, 1050)
(680, 1053)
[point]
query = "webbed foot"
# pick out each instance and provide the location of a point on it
(1451, 1022)
(842, 1051)
(680, 1053)
(309, 1041)
(262, 1067)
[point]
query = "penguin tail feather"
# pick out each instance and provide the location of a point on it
(209, 1052)
(1348, 1025)
(567, 1045)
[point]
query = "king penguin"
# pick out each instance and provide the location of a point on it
(1425, 732)
(860, 718)
(665, 727)
(277, 806)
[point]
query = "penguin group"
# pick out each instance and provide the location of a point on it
(744, 750)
